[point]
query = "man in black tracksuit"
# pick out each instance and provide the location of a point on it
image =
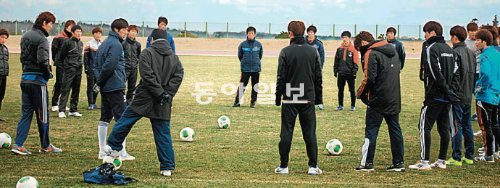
(439, 76)
(90, 49)
(249, 53)
(70, 59)
(132, 50)
(345, 67)
(381, 92)
(300, 85)
(57, 43)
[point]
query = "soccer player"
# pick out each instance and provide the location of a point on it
(161, 76)
(381, 91)
(439, 76)
(4, 64)
(88, 62)
(316, 43)
(250, 54)
(36, 73)
(162, 24)
(345, 67)
(57, 43)
(391, 38)
(109, 70)
(300, 84)
(132, 49)
(70, 59)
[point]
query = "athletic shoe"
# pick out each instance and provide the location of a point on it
(321, 107)
(421, 165)
(62, 115)
(110, 152)
(236, 105)
(367, 168)
(252, 105)
(497, 155)
(92, 107)
(340, 108)
(166, 172)
(400, 167)
(101, 155)
(478, 133)
(353, 108)
(467, 161)
(490, 159)
(480, 150)
(453, 162)
(50, 149)
(127, 157)
(75, 114)
(20, 150)
(314, 171)
(439, 164)
(55, 108)
(474, 117)
(280, 170)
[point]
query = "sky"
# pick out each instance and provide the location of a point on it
(362, 12)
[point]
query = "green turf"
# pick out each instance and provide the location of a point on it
(243, 155)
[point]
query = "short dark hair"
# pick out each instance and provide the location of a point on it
(133, 27)
(472, 26)
(96, 30)
(69, 23)
(346, 33)
(162, 19)
(485, 35)
(433, 26)
(76, 27)
(363, 36)
(46, 17)
(4, 32)
(312, 28)
(459, 32)
(297, 28)
(493, 30)
(119, 23)
(251, 29)
(391, 29)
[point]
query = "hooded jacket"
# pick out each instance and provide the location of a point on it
(109, 66)
(316, 43)
(70, 54)
(467, 63)
(250, 53)
(299, 66)
(381, 89)
(488, 84)
(57, 43)
(4, 60)
(161, 71)
(132, 49)
(346, 61)
(440, 71)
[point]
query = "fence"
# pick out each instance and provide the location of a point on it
(231, 30)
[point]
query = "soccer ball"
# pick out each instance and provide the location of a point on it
(117, 162)
(224, 122)
(187, 134)
(334, 147)
(27, 182)
(5, 140)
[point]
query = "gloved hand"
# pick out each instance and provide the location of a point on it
(335, 74)
(278, 100)
(48, 76)
(165, 98)
(96, 88)
(354, 77)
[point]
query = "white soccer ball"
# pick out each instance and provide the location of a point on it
(27, 182)
(187, 134)
(334, 147)
(5, 140)
(117, 162)
(224, 122)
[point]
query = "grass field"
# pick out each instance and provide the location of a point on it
(244, 155)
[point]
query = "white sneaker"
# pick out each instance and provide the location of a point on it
(421, 165)
(314, 171)
(280, 170)
(55, 108)
(101, 155)
(75, 114)
(478, 133)
(166, 172)
(127, 157)
(62, 115)
(110, 152)
(439, 163)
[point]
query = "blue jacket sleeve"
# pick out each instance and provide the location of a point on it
(171, 42)
(321, 51)
(261, 52)
(148, 42)
(240, 53)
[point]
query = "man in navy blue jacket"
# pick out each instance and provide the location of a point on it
(391, 38)
(162, 24)
(250, 54)
(109, 70)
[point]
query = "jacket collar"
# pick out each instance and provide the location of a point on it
(434, 39)
(129, 40)
(459, 44)
(40, 30)
(115, 35)
(298, 40)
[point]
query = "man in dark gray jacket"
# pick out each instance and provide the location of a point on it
(132, 50)
(4, 64)
(462, 125)
(161, 76)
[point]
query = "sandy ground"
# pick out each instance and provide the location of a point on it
(228, 47)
